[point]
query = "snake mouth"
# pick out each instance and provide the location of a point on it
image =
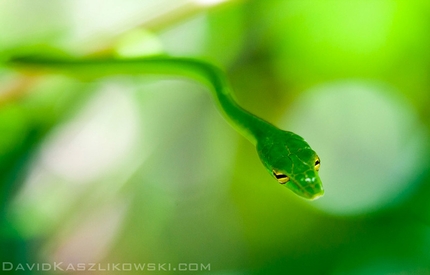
(316, 195)
(315, 192)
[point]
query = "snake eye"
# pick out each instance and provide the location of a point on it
(317, 164)
(282, 178)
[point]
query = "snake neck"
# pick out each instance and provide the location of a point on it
(250, 126)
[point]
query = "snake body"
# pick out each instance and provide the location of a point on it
(286, 155)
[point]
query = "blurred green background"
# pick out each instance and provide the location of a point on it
(145, 170)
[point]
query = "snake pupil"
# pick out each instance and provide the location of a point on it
(282, 179)
(279, 176)
(317, 164)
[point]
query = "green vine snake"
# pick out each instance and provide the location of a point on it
(287, 156)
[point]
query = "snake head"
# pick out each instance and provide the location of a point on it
(292, 162)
